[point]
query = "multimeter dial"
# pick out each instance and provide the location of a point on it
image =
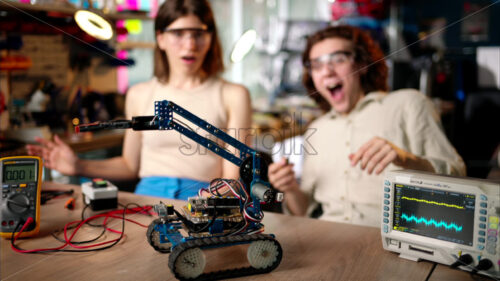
(18, 203)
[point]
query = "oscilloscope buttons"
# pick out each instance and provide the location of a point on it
(494, 219)
(483, 197)
(482, 212)
(491, 241)
(481, 239)
(482, 219)
(491, 250)
(387, 195)
(482, 233)
(482, 225)
(483, 205)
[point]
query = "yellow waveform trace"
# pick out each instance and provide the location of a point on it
(433, 202)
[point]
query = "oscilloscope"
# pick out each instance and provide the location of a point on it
(442, 219)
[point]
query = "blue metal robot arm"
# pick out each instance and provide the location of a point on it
(253, 170)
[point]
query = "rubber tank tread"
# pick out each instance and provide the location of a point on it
(228, 241)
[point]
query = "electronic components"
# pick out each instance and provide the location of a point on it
(212, 205)
(100, 194)
(21, 179)
(213, 215)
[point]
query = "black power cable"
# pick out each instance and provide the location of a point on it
(482, 265)
(462, 260)
(47, 195)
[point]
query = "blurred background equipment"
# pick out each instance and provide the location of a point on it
(451, 55)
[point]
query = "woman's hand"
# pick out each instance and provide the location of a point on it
(376, 154)
(56, 155)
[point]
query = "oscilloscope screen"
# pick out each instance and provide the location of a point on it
(438, 214)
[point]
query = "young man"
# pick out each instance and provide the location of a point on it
(364, 131)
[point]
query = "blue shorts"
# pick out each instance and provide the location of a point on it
(167, 187)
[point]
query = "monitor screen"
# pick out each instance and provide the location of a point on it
(19, 173)
(438, 214)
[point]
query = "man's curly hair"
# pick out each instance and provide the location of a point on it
(367, 55)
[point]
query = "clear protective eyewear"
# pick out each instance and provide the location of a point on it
(331, 60)
(179, 35)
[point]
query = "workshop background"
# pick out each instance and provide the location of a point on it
(54, 75)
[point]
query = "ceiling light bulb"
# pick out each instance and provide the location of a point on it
(94, 25)
(243, 45)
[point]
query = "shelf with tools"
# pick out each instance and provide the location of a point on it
(42, 48)
(68, 9)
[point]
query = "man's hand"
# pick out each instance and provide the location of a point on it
(282, 177)
(377, 154)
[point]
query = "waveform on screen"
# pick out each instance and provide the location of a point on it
(427, 222)
(433, 202)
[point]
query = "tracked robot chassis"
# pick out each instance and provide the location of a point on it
(225, 214)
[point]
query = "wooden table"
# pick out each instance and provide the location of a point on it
(312, 250)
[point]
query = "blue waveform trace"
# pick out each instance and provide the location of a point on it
(432, 221)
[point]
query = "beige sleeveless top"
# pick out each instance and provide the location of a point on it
(168, 153)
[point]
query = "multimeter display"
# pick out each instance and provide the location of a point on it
(20, 180)
(19, 173)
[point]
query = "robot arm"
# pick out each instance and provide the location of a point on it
(253, 168)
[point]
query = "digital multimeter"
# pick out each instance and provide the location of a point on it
(21, 179)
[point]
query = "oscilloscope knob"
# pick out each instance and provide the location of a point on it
(18, 203)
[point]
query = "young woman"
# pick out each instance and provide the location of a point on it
(188, 59)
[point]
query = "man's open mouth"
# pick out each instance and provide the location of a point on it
(335, 90)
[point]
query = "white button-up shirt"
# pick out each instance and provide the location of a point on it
(406, 118)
